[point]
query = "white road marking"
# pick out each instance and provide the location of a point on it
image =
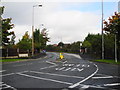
(62, 68)
(73, 69)
(56, 74)
(7, 86)
(80, 69)
(83, 65)
(45, 79)
(2, 71)
(65, 64)
(85, 87)
(67, 69)
(48, 67)
(108, 75)
(78, 65)
(51, 63)
(7, 74)
(78, 83)
(113, 84)
(64, 61)
(102, 77)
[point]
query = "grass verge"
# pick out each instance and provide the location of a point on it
(107, 61)
(10, 60)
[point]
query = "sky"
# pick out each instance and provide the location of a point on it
(68, 22)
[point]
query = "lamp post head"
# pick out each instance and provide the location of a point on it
(40, 5)
(37, 5)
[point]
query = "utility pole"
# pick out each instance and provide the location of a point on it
(115, 48)
(33, 28)
(102, 33)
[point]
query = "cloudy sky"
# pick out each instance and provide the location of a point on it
(66, 21)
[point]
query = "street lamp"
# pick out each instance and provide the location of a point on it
(33, 28)
(102, 33)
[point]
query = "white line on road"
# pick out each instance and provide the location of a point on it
(2, 71)
(108, 75)
(48, 67)
(56, 74)
(51, 63)
(67, 69)
(61, 68)
(12, 73)
(114, 84)
(102, 77)
(85, 87)
(73, 69)
(80, 69)
(7, 74)
(78, 83)
(78, 65)
(64, 61)
(45, 79)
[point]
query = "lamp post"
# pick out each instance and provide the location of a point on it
(102, 33)
(33, 28)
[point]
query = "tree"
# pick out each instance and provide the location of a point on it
(40, 39)
(6, 26)
(112, 26)
(25, 42)
(12, 41)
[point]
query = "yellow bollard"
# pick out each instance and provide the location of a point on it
(61, 56)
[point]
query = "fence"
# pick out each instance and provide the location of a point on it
(11, 52)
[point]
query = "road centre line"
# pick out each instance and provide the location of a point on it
(114, 84)
(56, 74)
(78, 83)
(46, 79)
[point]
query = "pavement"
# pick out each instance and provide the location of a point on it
(71, 73)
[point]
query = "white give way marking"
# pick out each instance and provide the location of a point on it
(69, 69)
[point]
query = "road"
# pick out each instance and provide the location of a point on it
(51, 73)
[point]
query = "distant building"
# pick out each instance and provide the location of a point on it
(55, 45)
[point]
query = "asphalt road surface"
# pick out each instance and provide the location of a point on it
(51, 73)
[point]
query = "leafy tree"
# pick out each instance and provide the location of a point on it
(6, 26)
(12, 41)
(112, 27)
(40, 39)
(25, 42)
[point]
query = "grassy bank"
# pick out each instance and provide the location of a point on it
(10, 60)
(107, 61)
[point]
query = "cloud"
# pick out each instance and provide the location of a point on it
(70, 25)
